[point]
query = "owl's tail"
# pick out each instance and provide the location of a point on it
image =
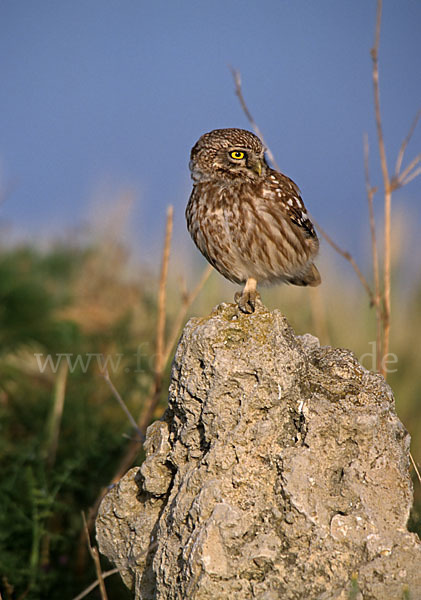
(310, 277)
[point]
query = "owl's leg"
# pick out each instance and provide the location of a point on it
(247, 300)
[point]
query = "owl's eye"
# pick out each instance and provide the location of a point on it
(237, 155)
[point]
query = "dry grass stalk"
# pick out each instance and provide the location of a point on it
(93, 585)
(387, 187)
(398, 176)
(239, 92)
(56, 414)
(105, 374)
(93, 551)
(414, 464)
(162, 296)
(374, 252)
(187, 300)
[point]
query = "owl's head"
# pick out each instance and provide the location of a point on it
(228, 155)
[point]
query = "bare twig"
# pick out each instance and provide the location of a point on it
(345, 254)
(406, 176)
(379, 317)
(56, 414)
(415, 467)
(387, 187)
(154, 397)
(105, 374)
(93, 585)
(405, 144)
(413, 175)
(162, 297)
(93, 550)
(187, 301)
(238, 90)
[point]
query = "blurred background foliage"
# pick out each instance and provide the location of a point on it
(94, 297)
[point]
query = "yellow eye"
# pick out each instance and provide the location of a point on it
(237, 154)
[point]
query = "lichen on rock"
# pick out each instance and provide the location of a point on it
(279, 470)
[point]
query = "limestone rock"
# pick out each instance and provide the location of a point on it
(279, 470)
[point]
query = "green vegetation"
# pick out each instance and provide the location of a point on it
(63, 435)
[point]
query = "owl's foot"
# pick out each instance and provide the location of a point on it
(246, 300)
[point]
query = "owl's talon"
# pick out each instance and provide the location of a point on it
(247, 301)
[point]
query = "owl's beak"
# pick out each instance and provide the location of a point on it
(256, 167)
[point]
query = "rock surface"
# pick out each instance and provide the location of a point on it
(279, 470)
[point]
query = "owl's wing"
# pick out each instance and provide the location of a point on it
(281, 188)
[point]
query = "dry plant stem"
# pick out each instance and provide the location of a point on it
(387, 188)
(153, 398)
(406, 176)
(162, 295)
(105, 374)
(93, 585)
(347, 257)
(93, 550)
(403, 147)
(56, 414)
(187, 301)
(415, 467)
(238, 90)
(379, 316)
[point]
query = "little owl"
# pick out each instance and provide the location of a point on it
(248, 220)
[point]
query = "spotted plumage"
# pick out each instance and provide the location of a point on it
(248, 220)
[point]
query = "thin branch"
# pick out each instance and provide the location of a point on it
(238, 90)
(187, 301)
(93, 550)
(414, 464)
(375, 74)
(406, 176)
(387, 187)
(405, 144)
(154, 397)
(105, 374)
(93, 585)
(162, 296)
(412, 176)
(370, 194)
(56, 414)
(345, 254)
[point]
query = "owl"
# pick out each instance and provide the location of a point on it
(248, 220)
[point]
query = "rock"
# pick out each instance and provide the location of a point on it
(279, 470)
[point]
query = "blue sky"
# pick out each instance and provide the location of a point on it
(101, 96)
